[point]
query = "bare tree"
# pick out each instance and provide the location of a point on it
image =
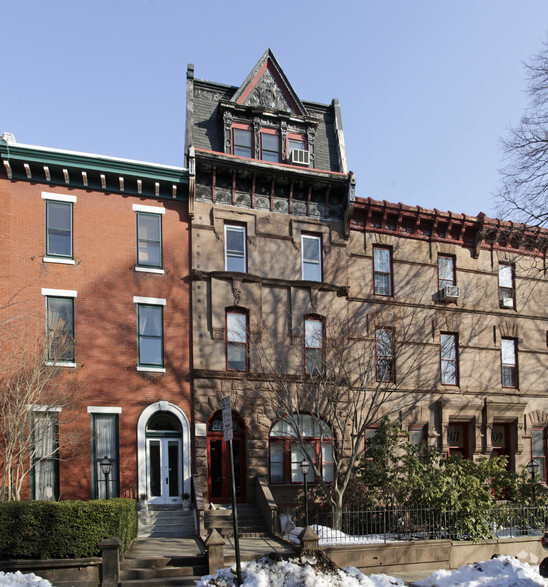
(523, 194)
(332, 378)
(37, 396)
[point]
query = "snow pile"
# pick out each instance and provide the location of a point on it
(17, 579)
(503, 571)
(301, 572)
(327, 536)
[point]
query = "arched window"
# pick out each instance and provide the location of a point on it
(286, 452)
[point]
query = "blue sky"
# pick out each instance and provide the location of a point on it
(427, 87)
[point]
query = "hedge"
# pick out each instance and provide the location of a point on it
(64, 529)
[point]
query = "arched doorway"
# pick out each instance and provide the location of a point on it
(163, 439)
(218, 466)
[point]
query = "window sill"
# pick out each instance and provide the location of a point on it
(59, 260)
(61, 364)
(149, 270)
(151, 369)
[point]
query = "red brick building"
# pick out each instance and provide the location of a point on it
(102, 244)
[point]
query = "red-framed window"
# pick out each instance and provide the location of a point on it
(384, 350)
(538, 452)
(506, 286)
(236, 339)
(242, 140)
(509, 362)
(286, 452)
(458, 439)
(313, 345)
(270, 145)
(446, 271)
(295, 141)
(449, 358)
(382, 271)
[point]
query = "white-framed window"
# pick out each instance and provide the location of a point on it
(60, 325)
(446, 271)
(286, 452)
(105, 443)
(149, 238)
(449, 358)
(59, 228)
(506, 286)
(509, 359)
(236, 340)
(45, 457)
(150, 333)
(313, 345)
(311, 247)
(384, 348)
(235, 248)
(382, 271)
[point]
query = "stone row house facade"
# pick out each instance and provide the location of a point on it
(259, 238)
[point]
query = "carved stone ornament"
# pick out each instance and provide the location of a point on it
(237, 290)
(267, 94)
(207, 95)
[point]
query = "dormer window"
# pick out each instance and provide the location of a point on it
(242, 140)
(295, 142)
(270, 145)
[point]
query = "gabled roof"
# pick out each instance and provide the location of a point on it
(268, 87)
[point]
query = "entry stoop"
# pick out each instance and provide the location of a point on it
(251, 523)
(182, 571)
(166, 523)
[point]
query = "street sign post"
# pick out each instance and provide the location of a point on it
(228, 436)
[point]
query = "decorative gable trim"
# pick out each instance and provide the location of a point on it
(268, 87)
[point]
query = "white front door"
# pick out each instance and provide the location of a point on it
(164, 475)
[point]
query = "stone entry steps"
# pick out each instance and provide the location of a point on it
(184, 571)
(163, 561)
(251, 523)
(166, 523)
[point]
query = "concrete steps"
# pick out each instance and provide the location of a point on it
(166, 523)
(163, 571)
(251, 523)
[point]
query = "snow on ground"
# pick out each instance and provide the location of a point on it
(19, 580)
(503, 571)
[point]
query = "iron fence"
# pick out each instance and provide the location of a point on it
(394, 524)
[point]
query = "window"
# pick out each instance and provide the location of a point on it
(235, 250)
(149, 240)
(270, 146)
(45, 445)
(417, 439)
(509, 362)
(286, 453)
(150, 330)
(449, 359)
(382, 269)
(59, 229)
(311, 247)
(369, 435)
(446, 271)
(295, 142)
(60, 323)
(104, 443)
(538, 452)
(458, 439)
(506, 286)
(384, 348)
(313, 345)
(236, 340)
(242, 141)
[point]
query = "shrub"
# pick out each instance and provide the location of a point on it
(64, 529)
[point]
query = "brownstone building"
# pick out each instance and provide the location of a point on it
(276, 224)
(101, 245)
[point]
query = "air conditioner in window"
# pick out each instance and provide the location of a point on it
(450, 293)
(507, 302)
(300, 157)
